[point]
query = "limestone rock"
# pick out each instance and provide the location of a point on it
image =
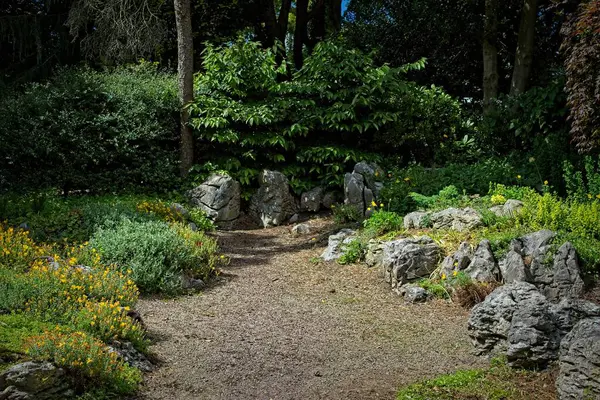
(301, 229)
(413, 293)
(579, 362)
(362, 186)
(456, 219)
(354, 186)
(311, 200)
(408, 259)
(35, 381)
(218, 197)
(272, 204)
(483, 266)
(458, 261)
(128, 353)
(329, 199)
(416, 220)
(509, 209)
(374, 253)
(179, 209)
(336, 244)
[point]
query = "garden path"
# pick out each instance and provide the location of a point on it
(279, 325)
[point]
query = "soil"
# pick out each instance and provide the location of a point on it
(279, 324)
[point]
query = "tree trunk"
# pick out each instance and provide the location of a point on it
(335, 14)
(524, 54)
(490, 56)
(185, 80)
(301, 31)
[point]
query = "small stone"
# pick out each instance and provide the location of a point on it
(180, 209)
(336, 244)
(413, 293)
(294, 218)
(301, 229)
(311, 200)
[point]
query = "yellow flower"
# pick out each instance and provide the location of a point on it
(381, 205)
(368, 208)
(518, 176)
(373, 203)
(455, 273)
(546, 183)
(407, 179)
(443, 276)
(589, 196)
(598, 196)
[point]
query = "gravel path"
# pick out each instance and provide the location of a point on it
(279, 325)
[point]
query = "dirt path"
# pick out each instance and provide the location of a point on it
(280, 326)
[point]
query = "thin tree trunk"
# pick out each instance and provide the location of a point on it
(490, 56)
(524, 54)
(185, 80)
(284, 17)
(301, 31)
(335, 14)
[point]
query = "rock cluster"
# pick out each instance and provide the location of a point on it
(35, 381)
(458, 219)
(272, 204)
(218, 197)
(337, 244)
(408, 259)
(362, 186)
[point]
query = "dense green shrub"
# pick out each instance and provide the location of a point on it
(583, 184)
(337, 110)
(157, 254)
(87, 129)
(381, 222)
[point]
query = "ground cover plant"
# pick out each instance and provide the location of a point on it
(71, 271)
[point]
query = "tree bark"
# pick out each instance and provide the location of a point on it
(301, 31)
(524, 54)
(185, 80)
(490, 56)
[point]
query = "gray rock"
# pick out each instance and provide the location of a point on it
(458, 261)
(193, 227)
(377, 189)
(533, 259)
(511, 208)
(336, 244)
(456, 219)
(311, 200)
(490, 320)
(219, 197)
(533, 340)
(189, 283)
(568, 312)
(24, 226)
(413, 293)
(128, 353)
(272, 204)
(513, 269)
(483, 266)
(294, 218)
(354, 186)
(301, 229)
(371, 173)
(329, 199)
(415, 220)
(579, 362)
(35, 380)
(374, 253)
(408, 259)
(563, 279)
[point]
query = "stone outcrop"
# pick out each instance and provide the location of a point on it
(416, 220)
(483, 266)
(362, 186)
(509, 209)
(311, 200)
(272, 204)
(336, 244)
(579, 362)
(408, 259)
(218, 197)
(458, 261)
(458, 219)
(35, 381)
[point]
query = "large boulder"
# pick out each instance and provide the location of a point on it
(509, 209)
(35, 381)
(416, 220)
(272, 204)
(337, 244)
(311, 200)
(458, 219)
(534, 258)
(519, 321)
(483, 266)
(219, 197)
(579, 376)
(404, 260)
(362, 186)
(515, 319)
